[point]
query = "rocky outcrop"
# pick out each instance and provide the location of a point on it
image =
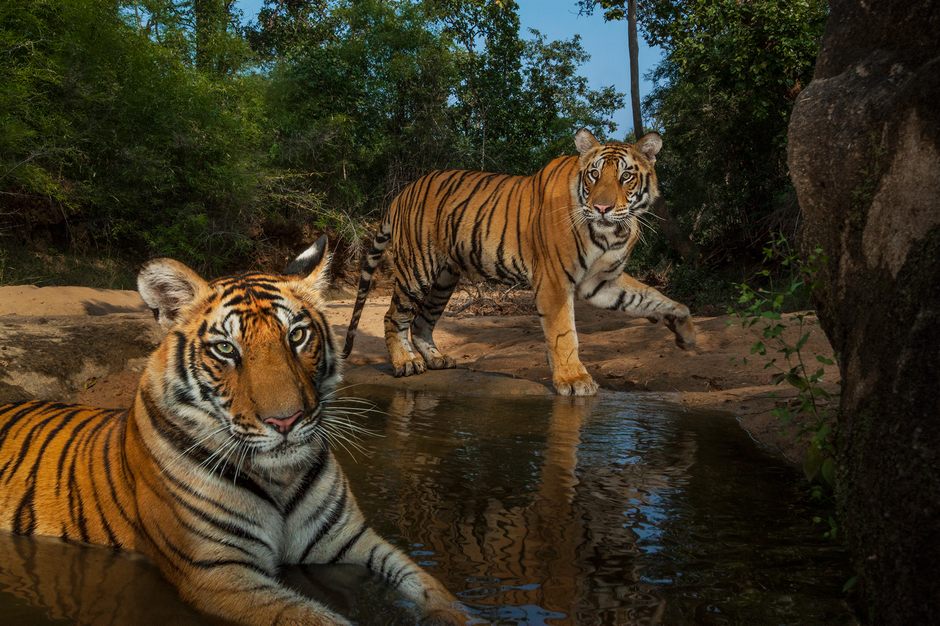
(864, 154)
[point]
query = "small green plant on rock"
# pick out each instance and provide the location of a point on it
(786, 282)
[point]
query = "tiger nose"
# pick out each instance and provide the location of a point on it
(284, 424)
(602, 208)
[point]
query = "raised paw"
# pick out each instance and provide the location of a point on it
(576, 385)
(410, 367)
(684, 330)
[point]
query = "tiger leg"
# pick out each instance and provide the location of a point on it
(625, 293)
(434, 602)
(406, 360)
(232, 581)
(422, 328)
(241, 594)
(350, 540)
(556, 310)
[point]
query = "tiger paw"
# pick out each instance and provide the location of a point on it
(440, 362)
(410, 367)
(576, 385)
(683, 328)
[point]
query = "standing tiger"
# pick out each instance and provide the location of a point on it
(566, 231)
(221, 470)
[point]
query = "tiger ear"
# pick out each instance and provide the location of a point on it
(169, 287)
(649, 146)
(311, 264)
(585, 141)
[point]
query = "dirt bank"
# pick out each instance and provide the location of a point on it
(88, 345)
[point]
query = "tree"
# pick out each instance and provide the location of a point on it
(152, 127)
(616, 10)
(112, 139)
(558, 100)
(724, 93)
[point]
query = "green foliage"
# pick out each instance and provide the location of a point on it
(782, 341)
(166, 127)
(725, 90)
(111, 137)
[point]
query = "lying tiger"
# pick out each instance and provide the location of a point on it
(566, 231)
(221, 471)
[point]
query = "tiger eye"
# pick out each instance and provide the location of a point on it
(297, 335)
(225, 347)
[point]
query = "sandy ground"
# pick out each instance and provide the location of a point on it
(90, 345)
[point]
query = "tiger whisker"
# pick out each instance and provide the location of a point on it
(241, 461)
(345, 431)
(215, 453)
(180, 456)
(352, 427)
(340, 389)
(341, 440)
(222, 453)
(226, 457)
(354, 410)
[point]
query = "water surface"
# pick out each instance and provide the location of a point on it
(609, 510)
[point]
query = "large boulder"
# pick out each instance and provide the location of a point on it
(864, 154)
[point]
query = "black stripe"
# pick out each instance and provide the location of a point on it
(335, 513)
(310, 478)
(24, 519)
(348, 545)
(599, 286)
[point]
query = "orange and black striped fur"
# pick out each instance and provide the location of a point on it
(221, 470)
(566, 231)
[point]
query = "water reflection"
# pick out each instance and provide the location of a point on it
(48, 581)
(540, 511)
(597, 511)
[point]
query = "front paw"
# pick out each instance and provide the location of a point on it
(575, 385)
(683, 328)
(440, 362)
(410, 367)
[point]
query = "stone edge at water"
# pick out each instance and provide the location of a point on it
(458, 381)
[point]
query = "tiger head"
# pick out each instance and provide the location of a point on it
(616, 181)
(248, 362)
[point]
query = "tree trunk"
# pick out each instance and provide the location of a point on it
(634, 69)
(670, 227)
(864, 156)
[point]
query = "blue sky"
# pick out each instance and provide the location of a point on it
(606, 42)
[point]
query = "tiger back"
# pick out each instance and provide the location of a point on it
(567, 231)
(221, 471)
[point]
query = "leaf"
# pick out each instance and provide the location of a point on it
(824, 360)
(812, 463)
(802, 341)
(828, 471)
(795, 380)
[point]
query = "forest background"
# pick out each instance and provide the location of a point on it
(132, 129)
